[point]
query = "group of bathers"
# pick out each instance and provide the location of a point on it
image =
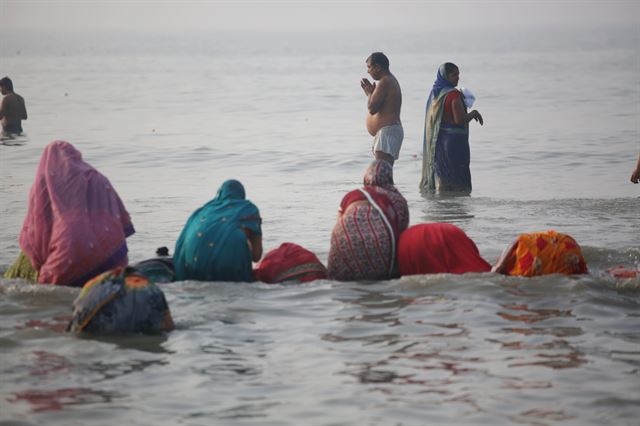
(75, 231)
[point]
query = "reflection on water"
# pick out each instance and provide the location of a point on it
(555, 353)
(527, 315)
(446, 208)
(378, 307)
(146, 343)
(13, 140)
(102, 371)
(57, 324)
(58, 399)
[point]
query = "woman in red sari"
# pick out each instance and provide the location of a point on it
(433, 248)
(290, 262)
(370, 220)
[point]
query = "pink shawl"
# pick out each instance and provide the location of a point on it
(76, 224)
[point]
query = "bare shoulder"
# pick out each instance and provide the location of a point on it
(394, 81)
(391, 84)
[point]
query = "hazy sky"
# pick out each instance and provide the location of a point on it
(301, 15)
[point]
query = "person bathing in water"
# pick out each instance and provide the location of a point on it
(12, 109)
(384, 100)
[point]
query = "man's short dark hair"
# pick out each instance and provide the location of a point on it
(379, 58)
(7, 83)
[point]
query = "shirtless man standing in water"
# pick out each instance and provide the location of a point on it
(12, 109)
(384, 102)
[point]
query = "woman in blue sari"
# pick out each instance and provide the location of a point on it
(446, 157)
(220, 239)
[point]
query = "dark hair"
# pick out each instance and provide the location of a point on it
(162, 251)
(7, 83)
(379, 58)
(449, 68)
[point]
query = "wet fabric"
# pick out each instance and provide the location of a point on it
(540, 253)
(23, 269)
(290, 262)
(432, 248)
(158, 270)
(213, 245)
(76, 224)
(370, 220)
(433, 119)
(452, 160)
(12, 128)
(120, 301)
(389, 140)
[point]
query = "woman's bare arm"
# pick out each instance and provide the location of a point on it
(461, 118)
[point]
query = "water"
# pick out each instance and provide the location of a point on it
(167, 119)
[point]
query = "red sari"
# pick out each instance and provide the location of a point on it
(432, 248)
(289, 262)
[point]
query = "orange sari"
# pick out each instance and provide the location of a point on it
(541, 253)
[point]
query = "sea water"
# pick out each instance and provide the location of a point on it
(169, 117)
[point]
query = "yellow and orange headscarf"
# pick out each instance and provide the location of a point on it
(540, 253)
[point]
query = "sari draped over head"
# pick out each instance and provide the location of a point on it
(159, 269)
(76, 224)
(438, 248)
(445, 147)
(120, 301)
(213, 245)
(370, 220)
(290, 262)
(541, 253)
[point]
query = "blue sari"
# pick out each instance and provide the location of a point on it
(445, 148)
(213, 244)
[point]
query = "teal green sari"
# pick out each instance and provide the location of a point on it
(213, 244)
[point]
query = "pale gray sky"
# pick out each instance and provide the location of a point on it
(301, 15)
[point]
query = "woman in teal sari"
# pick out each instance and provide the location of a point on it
(220, 239)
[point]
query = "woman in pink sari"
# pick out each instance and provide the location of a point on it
(370, 220)
(76, 224)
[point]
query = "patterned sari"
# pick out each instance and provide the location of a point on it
(76, 224)
(370, 220)
(213, 245)
(120, 301)
(445, 148)
(541, 253)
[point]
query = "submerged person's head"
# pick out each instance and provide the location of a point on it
(6, 85)
(231, 189)
(379, 173)
(377, 65)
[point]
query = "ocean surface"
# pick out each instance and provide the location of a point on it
(168, 118)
